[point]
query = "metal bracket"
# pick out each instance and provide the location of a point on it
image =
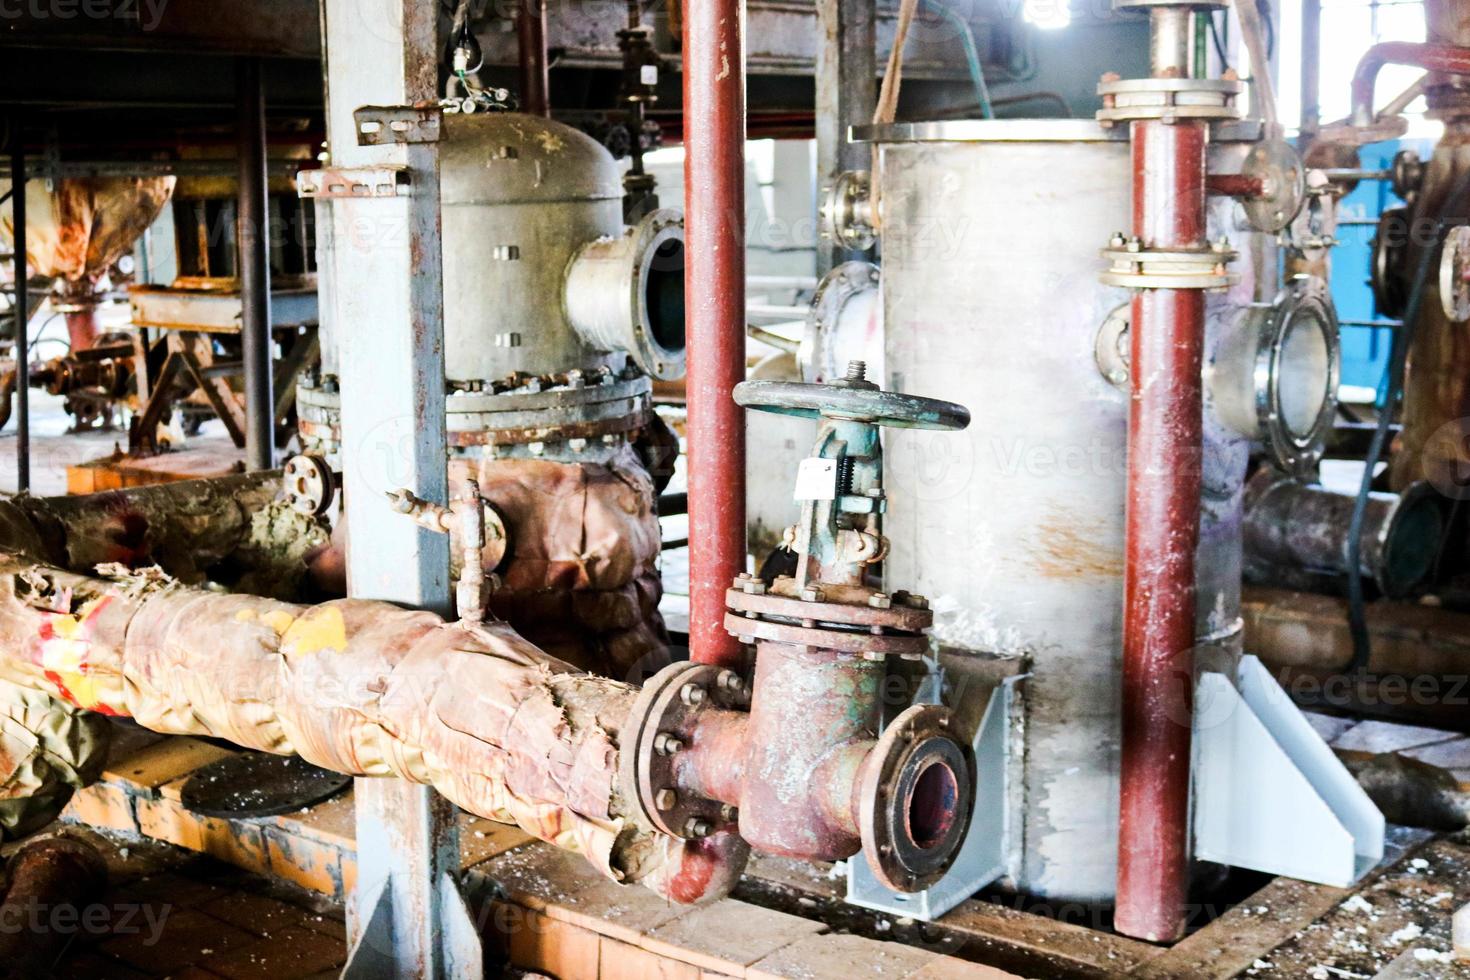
(331, 182)
(1268, 793)
(982, 857)
(386, 125)
(461, 953)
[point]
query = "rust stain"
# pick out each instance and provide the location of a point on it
(1066, 549)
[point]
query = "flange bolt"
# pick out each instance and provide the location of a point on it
(857, 371)
(666, 744)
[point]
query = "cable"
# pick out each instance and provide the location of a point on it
(1403, 339)
(972, 54)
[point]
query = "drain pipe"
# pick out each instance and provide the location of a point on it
(535, 64)
(1168, 262)
(714, 286)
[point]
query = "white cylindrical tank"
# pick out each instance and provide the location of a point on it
(1014, 527)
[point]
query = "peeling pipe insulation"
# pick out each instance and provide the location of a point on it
(355, 686)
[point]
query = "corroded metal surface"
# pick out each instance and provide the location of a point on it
(714, 277)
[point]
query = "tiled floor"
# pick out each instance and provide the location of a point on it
(175, 914)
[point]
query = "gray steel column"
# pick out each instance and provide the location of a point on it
(847, 90)
(254, 268)
(406, 918)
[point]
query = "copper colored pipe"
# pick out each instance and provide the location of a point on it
(535, 67)
(714, 286)
(81, 328)
(1164, 440)
(1431, 57)
(1234, 185)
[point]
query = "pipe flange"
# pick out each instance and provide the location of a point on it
(825, 634)
(1283, 185)
(911, 619)
(310, 484)
(915, 799)
(1110, 347)
(627, 293)
(1168, 99)
(664, 717)
(557, 414)
(830, 330)
(1135, 267)
(1454, 275)
(846, 214)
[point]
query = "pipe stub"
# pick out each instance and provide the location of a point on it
(917, 793)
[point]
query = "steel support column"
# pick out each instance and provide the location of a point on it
(254, 268)
(714, 283)
(847, 90)
(406, 918)
(21, 309)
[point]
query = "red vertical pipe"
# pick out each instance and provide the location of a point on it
(1164, 446)
(714, 286)
(535, 67)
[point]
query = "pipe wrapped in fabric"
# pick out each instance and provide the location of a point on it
(352, 685)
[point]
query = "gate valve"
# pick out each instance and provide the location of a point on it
(796, 760)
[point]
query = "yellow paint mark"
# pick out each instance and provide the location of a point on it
(244, 615)
(279, 620)
(322, 628)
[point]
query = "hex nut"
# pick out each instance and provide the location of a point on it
(665, 799)
(693, 694)
(695, 827)
(813, 594)
(666, 744)
(879, 600)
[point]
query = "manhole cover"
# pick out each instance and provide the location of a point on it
(258, 784)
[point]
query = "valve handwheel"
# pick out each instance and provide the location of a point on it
(853, 399)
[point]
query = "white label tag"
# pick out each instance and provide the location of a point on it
(648, 74)
(816, 479)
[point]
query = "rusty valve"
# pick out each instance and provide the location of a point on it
(796, 760)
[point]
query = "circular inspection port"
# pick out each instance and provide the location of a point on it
(933, 806)
(1304, 367)
(663, 294)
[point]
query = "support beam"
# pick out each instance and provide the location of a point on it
(254, 267)
(847, 90)
(385, 266)
(714, 284)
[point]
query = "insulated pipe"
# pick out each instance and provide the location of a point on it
(20, 308)
(1448, 58)
(535, 66)
(1165, 435)
(253, 239)
(714, 286)
(360, 687)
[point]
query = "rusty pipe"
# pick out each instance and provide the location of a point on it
(1165, 435)
(1448, 58)
(714, 285)
(535, 65)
